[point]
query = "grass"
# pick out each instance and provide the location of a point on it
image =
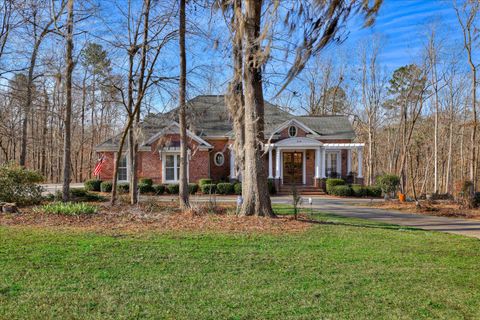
(68, 208)
(340, 268)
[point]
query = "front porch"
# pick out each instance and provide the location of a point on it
(306, 163)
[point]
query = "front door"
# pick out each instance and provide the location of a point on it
(292, 168)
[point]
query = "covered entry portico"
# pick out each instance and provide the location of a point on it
(294, 163)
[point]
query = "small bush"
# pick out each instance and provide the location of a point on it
(209, 188)
(359, 190)
(202, 182)
(271, 186)
(237, 187)
(173, 188)
(192, 188)
(145, 188)
(225, 188)
(123, 187)
(106, 186)
(146, 181)
(374, 191)
(331, 182)
(159, 189)
(19, 185)
(92, 185)
(388, 183)
(80, 195)
(341, 191)
(69, 208)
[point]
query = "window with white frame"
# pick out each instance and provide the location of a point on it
(172, 167)
(219, 159)
(292, 131)
(332, 164)
(122, 169)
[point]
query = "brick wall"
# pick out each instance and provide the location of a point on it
(219, 173)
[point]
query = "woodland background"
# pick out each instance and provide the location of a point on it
(418, 120)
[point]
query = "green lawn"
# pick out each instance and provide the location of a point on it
(346, 269)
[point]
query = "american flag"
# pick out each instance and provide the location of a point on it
(98, 166)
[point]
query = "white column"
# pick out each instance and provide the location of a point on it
(317, 163)
(323, 159)
(277, 164)
(270, 173)
(232, 164)
(349, 161)
(304, 167)
(360, 162)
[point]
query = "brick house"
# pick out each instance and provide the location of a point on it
(302, 150)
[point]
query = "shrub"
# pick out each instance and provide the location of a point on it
(225, 188)
(159, 189)
(271, 187)
(192, 188)
(145, 187)
(237, 187)
(146, 181)
(106, 186)
(374, 191)
(92, 185)
(202, 182)
(80, 195)
(209, 188)
(388, 183)
(331, 182)
(359, 190)
(69, 208)
(19, 185)
(341, 190)
(123, 187)
(173, 188)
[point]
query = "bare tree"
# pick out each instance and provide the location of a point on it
(467, 16)
(68, 107)
(183, 192)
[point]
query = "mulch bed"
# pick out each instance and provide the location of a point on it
(441, 208)
(159, 217)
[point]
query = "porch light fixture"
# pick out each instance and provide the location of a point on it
(292, 131)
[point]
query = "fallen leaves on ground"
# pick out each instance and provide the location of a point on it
(163, 217)
(443, 208)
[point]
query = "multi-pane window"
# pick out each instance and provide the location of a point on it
(172, 167)
(332, 164)
(122, 169)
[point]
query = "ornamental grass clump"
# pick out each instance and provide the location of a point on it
(68, 208)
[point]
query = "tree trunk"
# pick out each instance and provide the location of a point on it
(235, 99)
(183, 192)
(256, 200)
(68, 106)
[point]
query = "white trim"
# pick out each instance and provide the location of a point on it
(215, 159)
(189, 133)
(176, 164)
(125, 154)
(296, 131)
(298, 143)
(289, 123)
(343, 145)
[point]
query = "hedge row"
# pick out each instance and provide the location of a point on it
(338, 187)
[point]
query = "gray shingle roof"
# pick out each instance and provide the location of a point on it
(208, 116)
